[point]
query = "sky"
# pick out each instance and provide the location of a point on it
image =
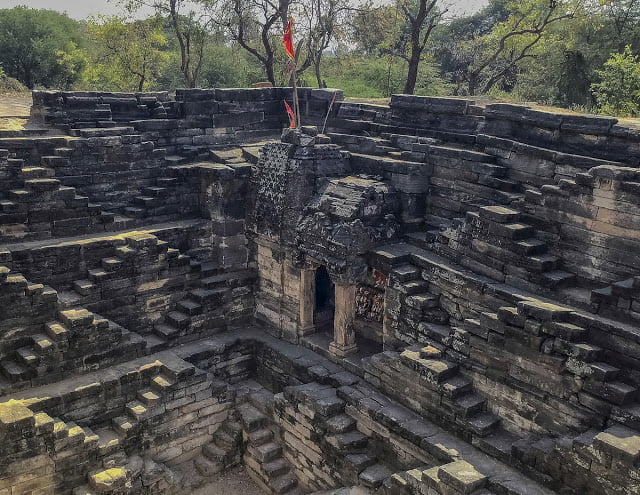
(80, 9)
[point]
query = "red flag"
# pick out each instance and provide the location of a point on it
(292, 116)
(287, 40)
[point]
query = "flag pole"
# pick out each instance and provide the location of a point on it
(292, 53)
(296, 102)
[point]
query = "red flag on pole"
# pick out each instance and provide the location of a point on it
(292, 116)
(287, 40)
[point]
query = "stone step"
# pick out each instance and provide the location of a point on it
(356, 463)
(135, 212)
(283, 484)
(350, 442)
(123, 425)
(57, 331)
(37, 173)
(42, 344)
(189, 307)
(66, 152)
(499, 214)
(565, 331)
(175, 160)
(155, 343)
(260, 437)
(618, 393)
(530, 247)
(224, 440)
(162, 383)
(154, 191)
(109, 441)
(9, 207)
(93, 132)
(149, 397)
(542, 263)
(582, 351)
(276, 468)
(456, 386)
(374, 476)
(266, 452)
(558, 278)
(113, 480)
(484, 424)
(111, 264)
(603, 372)
(405, 273)
(178, 319)
(166, 331)
(498, 444)
(84, 287)
(42, 185)
(27, 357)
(414, 287)
(433, 370)
(20, 195)
(252, 419)
(214, 453)
(138, 411)
(205, 296)
(341, 423)
(98, 275)
(15, 372)
(500, 183)
(470, 404)
(148, 201)
(166, 182)
(55, 161)
(207, 467)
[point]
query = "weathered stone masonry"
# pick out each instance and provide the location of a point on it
(432, 297)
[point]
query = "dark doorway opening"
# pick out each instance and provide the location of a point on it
(325, 300)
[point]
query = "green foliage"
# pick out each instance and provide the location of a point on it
(40, 47)
(9, 85)
(128, 56)
(378, 77)
(618, 92)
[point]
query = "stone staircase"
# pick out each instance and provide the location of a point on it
(346, 450)
(35, 205)
(77, 340)
(263, 457)
(197, 311)
(117, 469)
(438, 385)
(224, 451)
(496, 242)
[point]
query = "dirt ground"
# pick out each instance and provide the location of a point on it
(233, 482)
(14, 112)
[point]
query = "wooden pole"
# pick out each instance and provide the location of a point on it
(296, 102)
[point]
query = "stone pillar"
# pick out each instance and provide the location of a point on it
(344, 336)
(307, 298)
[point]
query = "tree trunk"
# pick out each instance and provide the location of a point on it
(316, 68)
(473, 84)
(268, 68)
(412, 74)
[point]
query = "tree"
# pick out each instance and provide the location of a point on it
(618, 92)
(421, 17)
(322, 20)
(40, 47)
(190, 31)
(256, 25)
(129, 54)
(495, 57)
